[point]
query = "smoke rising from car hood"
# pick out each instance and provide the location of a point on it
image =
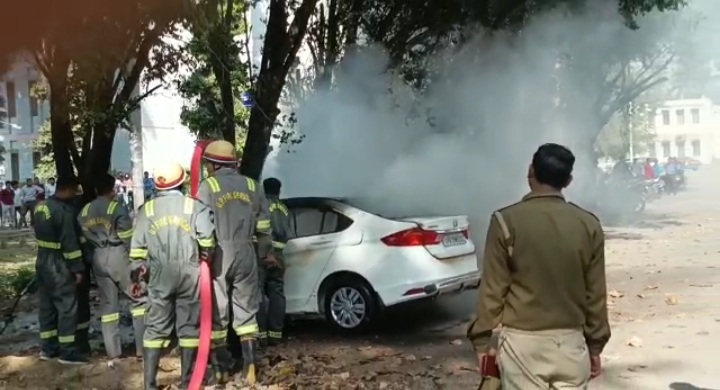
(463, 145)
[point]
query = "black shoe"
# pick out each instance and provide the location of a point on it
(82, 341)
(75, 358)
(48, 355)
(151, 362)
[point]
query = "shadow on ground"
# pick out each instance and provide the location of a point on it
(686, 386)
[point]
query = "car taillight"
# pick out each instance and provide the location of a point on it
(412, 237)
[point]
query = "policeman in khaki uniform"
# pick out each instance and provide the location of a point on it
(240, 212)
(60, 270)
(544, 284)
(171, 233)
(271, 316)
(108, 228)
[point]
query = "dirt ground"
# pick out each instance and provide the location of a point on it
(664, 282)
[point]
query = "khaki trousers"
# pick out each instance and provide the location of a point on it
(548, 359)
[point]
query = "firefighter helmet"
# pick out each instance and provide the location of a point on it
(169, 176)
(221, 152)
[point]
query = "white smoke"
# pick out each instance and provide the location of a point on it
(492, 105)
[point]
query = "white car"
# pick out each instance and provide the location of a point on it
(347, 264)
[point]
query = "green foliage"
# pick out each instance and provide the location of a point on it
(614, 140)
(14, 281)
(45, 168)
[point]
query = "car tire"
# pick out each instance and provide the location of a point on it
(362, 305)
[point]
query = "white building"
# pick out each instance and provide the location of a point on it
(687, 128)
(163, 137)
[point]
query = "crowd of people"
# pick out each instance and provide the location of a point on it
(18, 202)
(671, 172)
(235, 225)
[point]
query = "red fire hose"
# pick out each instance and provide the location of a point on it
(201, 363)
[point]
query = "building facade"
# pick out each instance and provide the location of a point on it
(686, 128)
(163, 138)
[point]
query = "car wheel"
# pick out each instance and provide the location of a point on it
(350, 306)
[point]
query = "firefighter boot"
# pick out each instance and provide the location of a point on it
(82, 341)
(139, 329)
(151, 362)
(248, 376)
(187, 363)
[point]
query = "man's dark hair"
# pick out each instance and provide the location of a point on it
(553, 165)
(67, 183)
(105, 184)
(272, 186)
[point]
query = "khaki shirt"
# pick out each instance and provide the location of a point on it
(544, 268)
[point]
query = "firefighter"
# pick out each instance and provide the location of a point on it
(108, 228)
(82, 340)
(240, 213)
(59, 270)
(172, 234)
(271, 317)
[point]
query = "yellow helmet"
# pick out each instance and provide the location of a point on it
(221, 152)
(169, 176)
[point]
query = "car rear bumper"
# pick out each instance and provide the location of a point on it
(436, 288)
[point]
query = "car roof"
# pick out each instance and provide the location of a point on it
(309, 201)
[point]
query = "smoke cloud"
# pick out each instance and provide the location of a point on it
(464, 144)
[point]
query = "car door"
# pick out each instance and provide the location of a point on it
(306, 255)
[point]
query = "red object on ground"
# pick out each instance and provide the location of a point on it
(201, 363)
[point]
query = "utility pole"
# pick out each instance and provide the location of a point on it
(631, 137)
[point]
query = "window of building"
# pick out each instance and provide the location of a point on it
(36, 159)
(666, 149)
(680, 114)
(32, 99)
(680, 148)
(652, 149)
(696, 148)
(695, 114)
(11, 96)
(15, 166)
(666, 117)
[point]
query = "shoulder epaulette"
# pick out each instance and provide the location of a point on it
(585, 211)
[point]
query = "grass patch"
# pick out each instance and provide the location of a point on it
(17, 269)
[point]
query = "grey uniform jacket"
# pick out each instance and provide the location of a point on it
(171, 229)
(239, 208)
(106, 223)
(280, 222)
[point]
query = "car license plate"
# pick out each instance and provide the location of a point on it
(454, 239)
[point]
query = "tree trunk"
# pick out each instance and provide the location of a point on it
(61, 132)
(262, 120)
(97, 160)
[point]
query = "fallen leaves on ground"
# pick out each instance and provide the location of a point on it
(635, 342)
(671, 299)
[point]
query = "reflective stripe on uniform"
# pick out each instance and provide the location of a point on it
(85, 210)
(213, 183)
(156, 344)
(206, 242)
(278, 206)
(274, 335)
(48, 244)
(114, 317)
(262, 224)
(278, 245)
(250, 184)
(247, 330)
(74, 255)
(219, 335)
(189, 206)
(138, 312)
(83, 325)
(66, 339)
(111, 207)
(138, 253)
(188, 343)
(125, 234)
(262, 335)
(48, 334)
(149, 208)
